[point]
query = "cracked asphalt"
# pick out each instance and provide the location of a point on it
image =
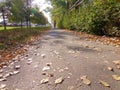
(70, 57)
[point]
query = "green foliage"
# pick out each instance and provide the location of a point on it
(38, 17)
(101, 17)
(17, 11)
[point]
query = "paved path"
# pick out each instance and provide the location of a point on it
(68, 56)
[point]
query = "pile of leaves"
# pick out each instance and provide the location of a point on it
(115, 41)
(13, 41)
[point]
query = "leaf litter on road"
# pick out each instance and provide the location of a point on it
(2, 86)
(44, 81)
(116, 77)
(116, 62)
(110, 68)
(30, 59)
(43, 55)
(104, 83)
(45, 68)
(17, 67)
(85, 80)
(59, 80)
(15, 72)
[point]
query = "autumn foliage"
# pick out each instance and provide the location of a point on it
(13, 41)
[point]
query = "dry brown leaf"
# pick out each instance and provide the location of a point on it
(85, 80)
(43, 81)
(116, 62)
(104, 83)
(59, 80)
(2, 86)
(46, 68)
(116, 77)
(110, 68)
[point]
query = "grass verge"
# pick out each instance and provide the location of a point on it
(12, 41)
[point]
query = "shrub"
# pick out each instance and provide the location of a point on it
(101, 17)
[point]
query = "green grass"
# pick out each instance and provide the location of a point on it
(8, 28)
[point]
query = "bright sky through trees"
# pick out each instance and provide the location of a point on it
(43, 4)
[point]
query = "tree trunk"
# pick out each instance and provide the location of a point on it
(21, 24)
(27, 22)
(3, 15)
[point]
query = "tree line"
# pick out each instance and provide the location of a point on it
(19, 11)
(101, 17)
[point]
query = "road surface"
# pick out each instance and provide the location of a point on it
(62, 54)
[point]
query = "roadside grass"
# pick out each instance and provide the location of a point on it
(11, 41)
(13, 37)
(8, 28)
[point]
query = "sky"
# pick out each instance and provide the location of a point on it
(43, 4)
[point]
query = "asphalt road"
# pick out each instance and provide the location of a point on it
(62, 54)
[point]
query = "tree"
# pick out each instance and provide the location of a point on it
(17, 11)
(59, 9)
(38, 17)
(4, 9)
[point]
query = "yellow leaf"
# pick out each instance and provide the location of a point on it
(59, 80)
(110, 68)
(85, 80)
(43, 81)
(116, 62)
(104, 83)
(116, 77)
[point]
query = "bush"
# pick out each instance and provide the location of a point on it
(101, 17)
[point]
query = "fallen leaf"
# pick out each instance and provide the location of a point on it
(116, 77)
(68, 77)
(29, 59)
(1, 76)
(43, 55)
(118, 66)
(50, 75)
(6, 75)
(3, 79)
(29, 62)
(85, 80)
(17, 67)
(15, 72)
(104, 83)
(71, 52)
(59, 80)
(1, 71)
(66, 68)
(2, 86)
(46, 68)
(116, 62)
(61, 70)
(110, 68)
(43, 81)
